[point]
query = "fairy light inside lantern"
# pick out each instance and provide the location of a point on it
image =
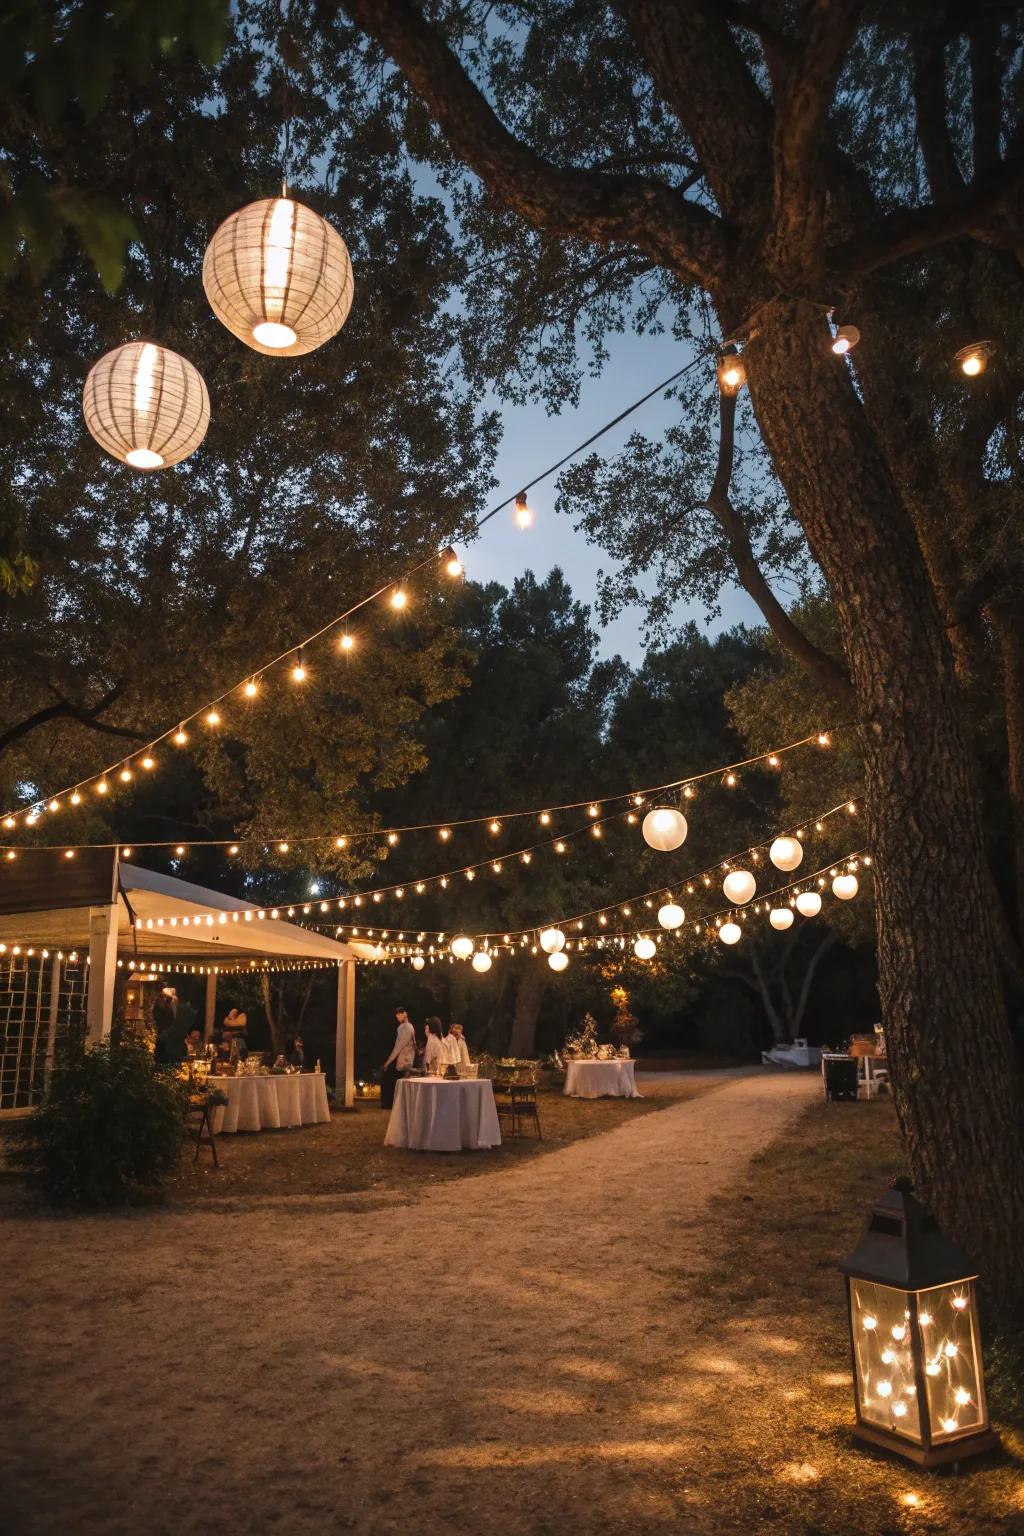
(918, 1381)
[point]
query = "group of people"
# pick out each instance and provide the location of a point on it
(432, 1049)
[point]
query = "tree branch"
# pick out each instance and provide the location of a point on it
(940, 162)
(822, 667)
(986, 92)
(63, 709)
(587, 205)
(978, 211)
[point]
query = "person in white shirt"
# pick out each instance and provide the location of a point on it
(458, 1050)
(401, 1058)
(435, 1057)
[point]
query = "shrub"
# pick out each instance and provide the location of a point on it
(109, 1131)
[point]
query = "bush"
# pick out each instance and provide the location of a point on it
(109, 1131)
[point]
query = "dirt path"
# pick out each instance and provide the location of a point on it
(509, 1355)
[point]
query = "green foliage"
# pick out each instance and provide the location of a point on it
(109, 1131)
(1004, 1373)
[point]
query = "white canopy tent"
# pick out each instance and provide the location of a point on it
(156, 921)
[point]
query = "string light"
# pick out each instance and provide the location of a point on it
(180, 736)
(453, 565)
(347, 642)
(251, 688)
(399, 598)
(212, 718)
(974, 359)
(299, 670)
(524, 512)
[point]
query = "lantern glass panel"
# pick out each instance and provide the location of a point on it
(883, 1355)
(948, 1324)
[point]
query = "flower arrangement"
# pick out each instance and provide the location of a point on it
(583, 1043)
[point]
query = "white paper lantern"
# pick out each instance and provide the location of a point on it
(552, 940)
(462, 947)
(845, 887)
(808, 903)
(730, 933)
(481, 961)
(146, 405)
(739, 886)
(670, 916)
(786, 853)
(279, 277)
(558, 961)
(645, 949)
(664, 828)
(418, 962)
(781, 917)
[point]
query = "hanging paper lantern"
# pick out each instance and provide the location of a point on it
(462, 947)
(808, 903)
(146, 405)
(558, 961)
(730, 933)
(481, 961)
(279, 277)
(664, 828)
(552, 940)
(786, 853)
(645, 949)
(670, 916)
(781, 917)
(845, 887)
(418, 962)
(739, 886)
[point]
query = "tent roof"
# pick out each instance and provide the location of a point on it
(175, 919)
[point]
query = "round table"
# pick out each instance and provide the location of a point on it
(270, 1102)
(601, 1079)
(433, 1114)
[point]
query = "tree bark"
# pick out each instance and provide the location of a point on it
(1008, 622)
(529, 996)
(945, 1019)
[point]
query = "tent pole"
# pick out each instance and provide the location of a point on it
(345, 1037)
(211, 1006)
(99, 1012)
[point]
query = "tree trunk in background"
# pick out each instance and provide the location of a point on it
(949, 1043)
(1008, 622)
(796, 1013)
(529, 995)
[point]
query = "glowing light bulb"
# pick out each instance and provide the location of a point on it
(10, 822)
(960, 1302)
(54, 805)
(126, 853)
(69, 853)
(341, 842)
(870, 1322)
(444, 834)
(731, 781)
(962, 1396)
(949, 1425)
(299, 670)
(392, 838)
(399, 598)
(899, 1410)
(973, 359)
(495, 826)
(347, 643)
(924, 1318)
(888, 1356)
(559, 847)
(212, 718)
(102, 787)
(932, 1368)
(884, 1389)
(125, 776)
(524, 512)
(845, 338)
(453, 565)
(233, 849)
(949, 1350)
(282, 847)
(179, 851)
(899, 1330)
(76, 799)
(10, 855)
(251, 688)
(180, 736)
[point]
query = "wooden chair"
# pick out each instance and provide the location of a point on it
(521, 1105)
(199, 1120)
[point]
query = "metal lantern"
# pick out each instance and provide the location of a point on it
(279, 277)
(146, 405)
(664, 828)
(917, 1370)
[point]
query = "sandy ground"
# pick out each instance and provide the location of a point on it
(511, 1354)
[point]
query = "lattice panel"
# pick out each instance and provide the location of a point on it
(35, 1017)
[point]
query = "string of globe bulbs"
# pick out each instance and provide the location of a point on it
(664, 829)
(721, 925)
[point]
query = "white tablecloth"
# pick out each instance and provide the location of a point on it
(433, 1114)
(599, 1079)
(263, 1103)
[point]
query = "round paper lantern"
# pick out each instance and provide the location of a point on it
(558, 961)
(462, 947)
(645, 949)
(781, 917)
(418, 962)
(664, 828)
(279, 277)
(739, 886)
(481, 961)
(146, 405)
(730, 933)
(670, 916)
(552, 940)
(786, 853)
(845, 887)
(808, 903)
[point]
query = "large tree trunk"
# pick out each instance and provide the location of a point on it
(1008, 622)
(944, 1013)
(529, 995)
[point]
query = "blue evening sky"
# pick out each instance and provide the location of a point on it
(532, 440)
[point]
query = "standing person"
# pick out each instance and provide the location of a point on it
(401, 1058)
(434, 1055)
(457, 1047)
(294, 1052)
